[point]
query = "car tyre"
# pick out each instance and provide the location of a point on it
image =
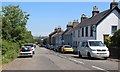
(33, 52)
(89, 55)
(105, 58)
(80, 56)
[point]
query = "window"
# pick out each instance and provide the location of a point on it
(78, 43)
(73, 33)
(114, 28)
(78, 33)
(82, 32)
(91, 31)
(96, 43)
(86, 31)
(84, 44)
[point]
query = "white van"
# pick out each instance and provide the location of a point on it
(93, 48)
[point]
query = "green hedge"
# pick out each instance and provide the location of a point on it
(10, 51)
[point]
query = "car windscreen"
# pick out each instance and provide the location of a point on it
(29, 45)
(67, 46)
(96, 43)
(24, 49)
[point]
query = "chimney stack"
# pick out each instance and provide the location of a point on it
(59, 29)
(55, 29)
(69, 25)
(95, 11)
(83, 17)
(75, 22)
(113, 4)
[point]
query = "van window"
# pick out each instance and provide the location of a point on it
(96, 43)
(84, 44)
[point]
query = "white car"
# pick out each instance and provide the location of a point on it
(26, 51)
(93, 48)
(32, 46)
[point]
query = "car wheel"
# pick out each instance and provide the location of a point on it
(105, 58)
(89, 55)
(31, 56)
(79, 54)
(33, 52)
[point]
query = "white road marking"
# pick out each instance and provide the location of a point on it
(98, 68)
(80, 62)
(76, 61)
(71, 59)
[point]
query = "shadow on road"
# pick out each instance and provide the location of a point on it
(24, 57)
(87, 58)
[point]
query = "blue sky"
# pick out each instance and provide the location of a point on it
(45, 16)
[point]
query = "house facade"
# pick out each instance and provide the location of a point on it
(98, 27)
(55, 36)
(67, 34)
(58, 39)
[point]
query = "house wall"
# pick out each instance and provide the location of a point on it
(77, 39)
(88, 37)
(106, 25)
(67, 39)
(58, 40)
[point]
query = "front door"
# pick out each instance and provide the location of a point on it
(106, 37)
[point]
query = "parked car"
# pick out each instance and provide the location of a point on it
(93, 48)
(32, 46)
(58, 48)
(47, 46)
(26, 51)
(51, 47)
(66, 48)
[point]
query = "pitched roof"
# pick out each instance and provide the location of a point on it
(96, 19)
(52, 33)
(69, 32)
(56, 34)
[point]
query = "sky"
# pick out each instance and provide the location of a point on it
(45, 16)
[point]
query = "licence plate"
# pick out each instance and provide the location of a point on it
(25, 54)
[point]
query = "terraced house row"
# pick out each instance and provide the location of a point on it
(97, 27)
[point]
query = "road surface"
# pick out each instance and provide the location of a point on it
(45, 59)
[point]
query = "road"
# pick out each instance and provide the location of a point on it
(45, 59)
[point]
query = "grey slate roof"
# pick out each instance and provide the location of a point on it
(96, 19)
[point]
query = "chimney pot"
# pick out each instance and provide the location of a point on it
(95, 11)
(113, 4)
(83, 17)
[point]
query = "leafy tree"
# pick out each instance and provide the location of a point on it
(13, 23)
(14, 32)
(45, 41)
(116, 39)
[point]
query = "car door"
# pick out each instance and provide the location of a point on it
(82, 49)
(86, 48)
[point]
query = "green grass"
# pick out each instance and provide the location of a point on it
(9, 51)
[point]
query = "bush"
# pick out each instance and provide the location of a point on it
(108, 41)
(116, 39)
(10, 51)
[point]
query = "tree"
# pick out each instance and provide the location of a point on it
(45, 41)
(14, 32)
(13, 23)
(116, 39)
